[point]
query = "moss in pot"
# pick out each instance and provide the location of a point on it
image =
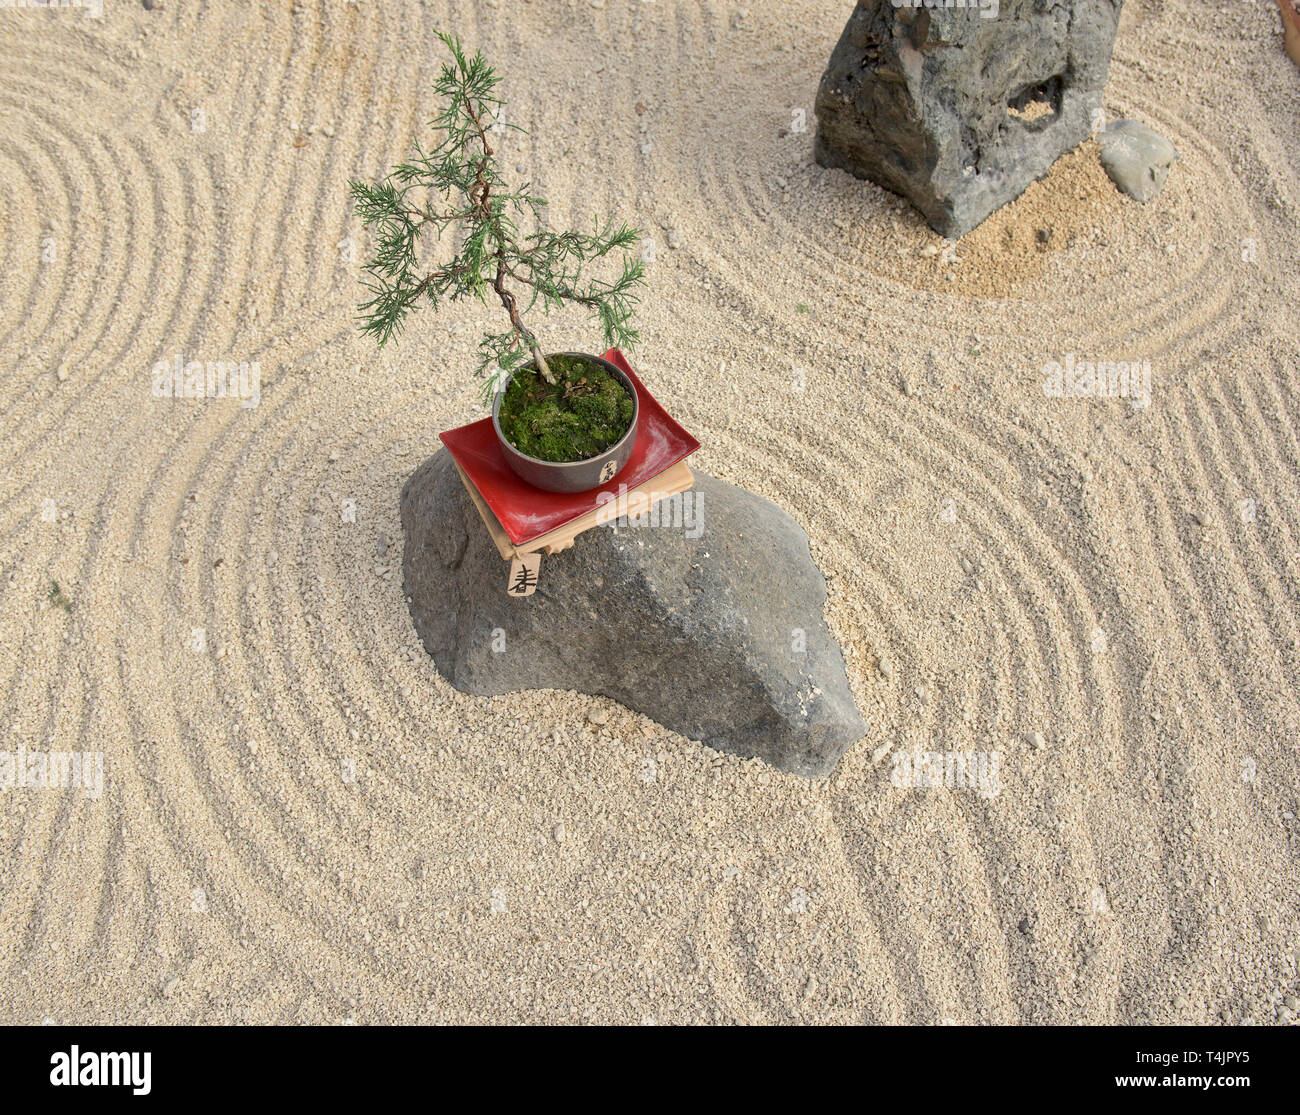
(579, 416)
(573, 435)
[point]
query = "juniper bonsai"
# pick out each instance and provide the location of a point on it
(455, 186)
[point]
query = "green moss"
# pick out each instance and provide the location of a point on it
(578, 417)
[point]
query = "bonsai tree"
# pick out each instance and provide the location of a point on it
(455, 187)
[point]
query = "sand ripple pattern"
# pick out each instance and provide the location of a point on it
(300, 821)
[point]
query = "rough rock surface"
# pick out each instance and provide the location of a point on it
(1136, 158)
(958, 109)
(719, 637)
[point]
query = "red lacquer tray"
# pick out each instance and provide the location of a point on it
(527, 512)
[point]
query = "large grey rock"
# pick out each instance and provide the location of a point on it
(719, 637)
(958, 109)
(1136, 158)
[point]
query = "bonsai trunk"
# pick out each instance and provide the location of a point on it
(512, 308)
(542, 366)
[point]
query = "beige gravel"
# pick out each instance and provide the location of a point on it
(301, 822)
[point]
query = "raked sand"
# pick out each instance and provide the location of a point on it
(302, 822)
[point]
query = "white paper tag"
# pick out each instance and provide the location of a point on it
(525, 572)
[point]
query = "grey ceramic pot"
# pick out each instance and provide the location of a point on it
(572, 476)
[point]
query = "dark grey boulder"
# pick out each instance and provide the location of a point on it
(1136, 158)
(959, 108)
(719, 637)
